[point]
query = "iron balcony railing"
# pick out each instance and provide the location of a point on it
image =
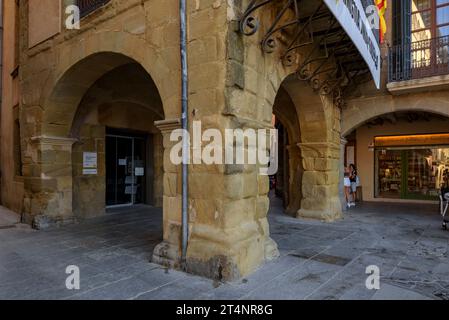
(419, 59)
(89, 6)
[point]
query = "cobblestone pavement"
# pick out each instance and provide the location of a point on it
(318, 260)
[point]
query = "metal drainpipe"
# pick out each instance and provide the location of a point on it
(185, 127)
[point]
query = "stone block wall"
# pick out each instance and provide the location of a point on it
(89, 190)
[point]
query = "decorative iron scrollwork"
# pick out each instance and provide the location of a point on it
(249, 24)
(325, 47)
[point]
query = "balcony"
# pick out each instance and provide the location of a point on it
(421, 64)
(89, 6)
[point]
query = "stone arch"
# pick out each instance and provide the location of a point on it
(60, 107)
(285, 111)
(101, 52)
(126, 102)
(136, 88)
(319, 124)
(253, 80)
(48, 173)
(360, 111)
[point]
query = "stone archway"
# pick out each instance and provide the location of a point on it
(230, 233)
(359, 111)
(319, 121)
(101, 53)
(285, 111)
(49, 181)
(123, 102)
(371, 159)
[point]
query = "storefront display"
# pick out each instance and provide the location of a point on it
(389, 173)
(411, 173)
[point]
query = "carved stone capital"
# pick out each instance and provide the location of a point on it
(168, 125)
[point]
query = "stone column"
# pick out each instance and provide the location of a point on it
(229, 231)
(320, 183)
(48, 182)
(295, 179)
(168, 253)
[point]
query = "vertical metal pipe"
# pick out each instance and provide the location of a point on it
(185, 127)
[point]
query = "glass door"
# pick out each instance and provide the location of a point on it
(119, 154)
(139, 170)
(125, 170)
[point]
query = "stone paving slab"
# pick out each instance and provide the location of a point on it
(8, 218)
(318, 260)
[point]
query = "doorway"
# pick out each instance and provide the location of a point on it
(126, 169)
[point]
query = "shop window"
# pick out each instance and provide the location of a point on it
(389, 173)
(413, 173)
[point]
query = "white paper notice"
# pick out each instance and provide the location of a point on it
(90, 163)
(140, 172)
(88, 172)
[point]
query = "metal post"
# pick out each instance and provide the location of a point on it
(185, 127)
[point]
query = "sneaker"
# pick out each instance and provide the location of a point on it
(348, 205)
(353, 204)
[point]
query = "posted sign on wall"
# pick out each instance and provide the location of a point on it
(360, 22)
(90, 163)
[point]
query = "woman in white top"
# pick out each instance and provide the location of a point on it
(347, 186)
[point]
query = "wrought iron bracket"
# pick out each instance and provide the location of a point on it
(323, 50)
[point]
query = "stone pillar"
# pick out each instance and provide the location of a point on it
(342, 174)
(295, 179)
(168, 253)
(48, 182)
(229, 232)
(320, 183)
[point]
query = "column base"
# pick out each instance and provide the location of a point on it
(271, 250)
(220, 255)
(332, 212)
(234, 265)
(167, 255)
(43, 222)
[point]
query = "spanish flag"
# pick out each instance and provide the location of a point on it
(381, 7)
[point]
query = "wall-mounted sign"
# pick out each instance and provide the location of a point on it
(360, 22)
(89, 172)
(90, 163)
(131, 189)
(140, 172)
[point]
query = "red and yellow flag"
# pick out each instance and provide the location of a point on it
(381, 7)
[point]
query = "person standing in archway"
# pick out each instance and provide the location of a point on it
(347, 186)
(354, 180)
